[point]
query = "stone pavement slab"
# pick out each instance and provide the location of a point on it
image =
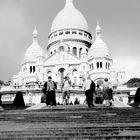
(117, 104)
(60, 107)
(120, 104)
(36, 107)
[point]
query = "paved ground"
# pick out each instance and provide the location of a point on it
(117, 104)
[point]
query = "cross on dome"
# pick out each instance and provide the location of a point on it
(98, 26)
(35, 35)
(98, 30)
(69, 1)
(35, 31)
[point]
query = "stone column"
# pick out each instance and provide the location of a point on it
(78, 50)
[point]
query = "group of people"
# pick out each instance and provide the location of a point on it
(90, 89)
(104, 94)
(50, 87)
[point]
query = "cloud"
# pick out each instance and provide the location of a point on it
(12, 29)
(12, 26)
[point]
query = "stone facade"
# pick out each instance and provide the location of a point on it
(69, 51)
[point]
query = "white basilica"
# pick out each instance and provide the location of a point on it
(70, 51)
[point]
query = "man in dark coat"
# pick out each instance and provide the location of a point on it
(137, 97)
(49, 90)
(89, 88)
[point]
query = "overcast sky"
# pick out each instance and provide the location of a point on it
(119, 19)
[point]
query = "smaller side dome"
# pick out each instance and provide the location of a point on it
(99, 47)
(35, 50)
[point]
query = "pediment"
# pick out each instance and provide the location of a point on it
(62, 58)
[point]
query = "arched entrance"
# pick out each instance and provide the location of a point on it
(61, 74)
(99, 81)
(49, 73)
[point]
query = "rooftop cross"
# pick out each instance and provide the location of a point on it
(98, 30)
(35, 35)
(69, 2)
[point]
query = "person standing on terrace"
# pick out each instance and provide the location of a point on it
(49, 90)
(107, 92)
(89, 88)
(66, 90)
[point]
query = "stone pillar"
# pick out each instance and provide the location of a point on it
(78, 51)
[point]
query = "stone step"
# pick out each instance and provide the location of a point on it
(71, 123)
(109, 137)
(21, 120)
(59, 115)
(66, 131)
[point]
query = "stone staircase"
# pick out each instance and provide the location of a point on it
(71, 123)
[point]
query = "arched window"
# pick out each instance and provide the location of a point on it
(85, 35)
(74, 73)
(80, 52)
(67, 32)
(106, 65)
(30, 69)
(68, 49)
(61, 48)
(80, 33)
(92, 66)
(97, 65)
(75, 51)
(33, 69)
(74, 32)
(60, 33)
(100, 64)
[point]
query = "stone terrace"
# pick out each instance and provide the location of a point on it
(73, 122)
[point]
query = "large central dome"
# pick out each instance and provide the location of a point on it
(69, 17)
